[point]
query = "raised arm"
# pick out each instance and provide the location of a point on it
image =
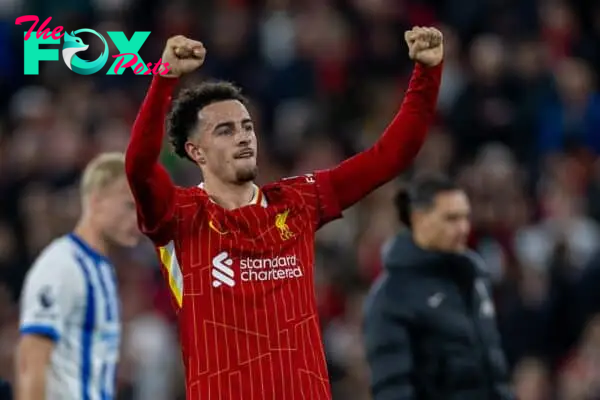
(400, 143)
(150, 183)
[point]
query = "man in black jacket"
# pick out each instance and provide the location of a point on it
(429, 325)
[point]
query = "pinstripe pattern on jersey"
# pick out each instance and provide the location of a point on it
(259, 339)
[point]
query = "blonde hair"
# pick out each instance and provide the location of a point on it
(101, 171)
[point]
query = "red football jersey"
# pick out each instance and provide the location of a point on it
(243, 283)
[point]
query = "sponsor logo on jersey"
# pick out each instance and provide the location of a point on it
(221, 270)
(269, 269)
(254, 269)
(46, 296)
(47, 299)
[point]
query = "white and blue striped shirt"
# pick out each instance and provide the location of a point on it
(70, 295)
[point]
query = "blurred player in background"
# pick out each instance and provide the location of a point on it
(430, 328)
(239, 258)
(70, 325)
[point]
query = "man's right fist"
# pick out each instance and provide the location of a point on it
(183, 55)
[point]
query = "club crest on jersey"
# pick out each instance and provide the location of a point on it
(281, 225)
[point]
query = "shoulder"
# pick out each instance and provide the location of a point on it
(302, 183)
(192, 195)
(293, 189)
(306, 179)
(479, 265)
(189, 200)
(59, 261)
(393, 293)
(53, 290)
(59, 257)
(308, 185)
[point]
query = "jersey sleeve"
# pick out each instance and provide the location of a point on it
(317, 191)
(53, 288)
(162, 231)
(358, 176)
(154, 191)
(184, 205)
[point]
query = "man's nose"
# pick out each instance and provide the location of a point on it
(243, 138)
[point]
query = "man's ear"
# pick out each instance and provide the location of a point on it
(92, 199)
(195, 153)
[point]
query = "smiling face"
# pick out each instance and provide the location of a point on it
(224, 142)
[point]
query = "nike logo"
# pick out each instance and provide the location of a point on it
(435, 300)
(212, 226)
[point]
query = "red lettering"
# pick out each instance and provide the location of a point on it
(130, 63)
(43, 30)
(166, 69)
(149, 70)
(28, 18)
(56, 32)
(138, 69)
(160, 68)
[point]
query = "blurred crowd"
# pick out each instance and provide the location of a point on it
(518, 125)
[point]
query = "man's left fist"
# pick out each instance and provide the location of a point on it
(425, 45)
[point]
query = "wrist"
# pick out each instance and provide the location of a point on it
(171, 75)
(165, 82)
(430, 65)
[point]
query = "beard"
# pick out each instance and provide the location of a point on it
(244, 175)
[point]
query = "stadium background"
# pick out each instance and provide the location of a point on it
(518, 125)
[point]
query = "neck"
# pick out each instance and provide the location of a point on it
(84, 229)
(229, 196)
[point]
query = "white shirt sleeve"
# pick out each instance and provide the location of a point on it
(53, 287)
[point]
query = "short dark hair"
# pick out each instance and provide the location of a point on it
(184, 114)
(420, 194)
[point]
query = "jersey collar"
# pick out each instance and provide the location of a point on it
(257, 197)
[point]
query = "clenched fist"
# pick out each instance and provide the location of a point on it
(425, 45)
(183, 55)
